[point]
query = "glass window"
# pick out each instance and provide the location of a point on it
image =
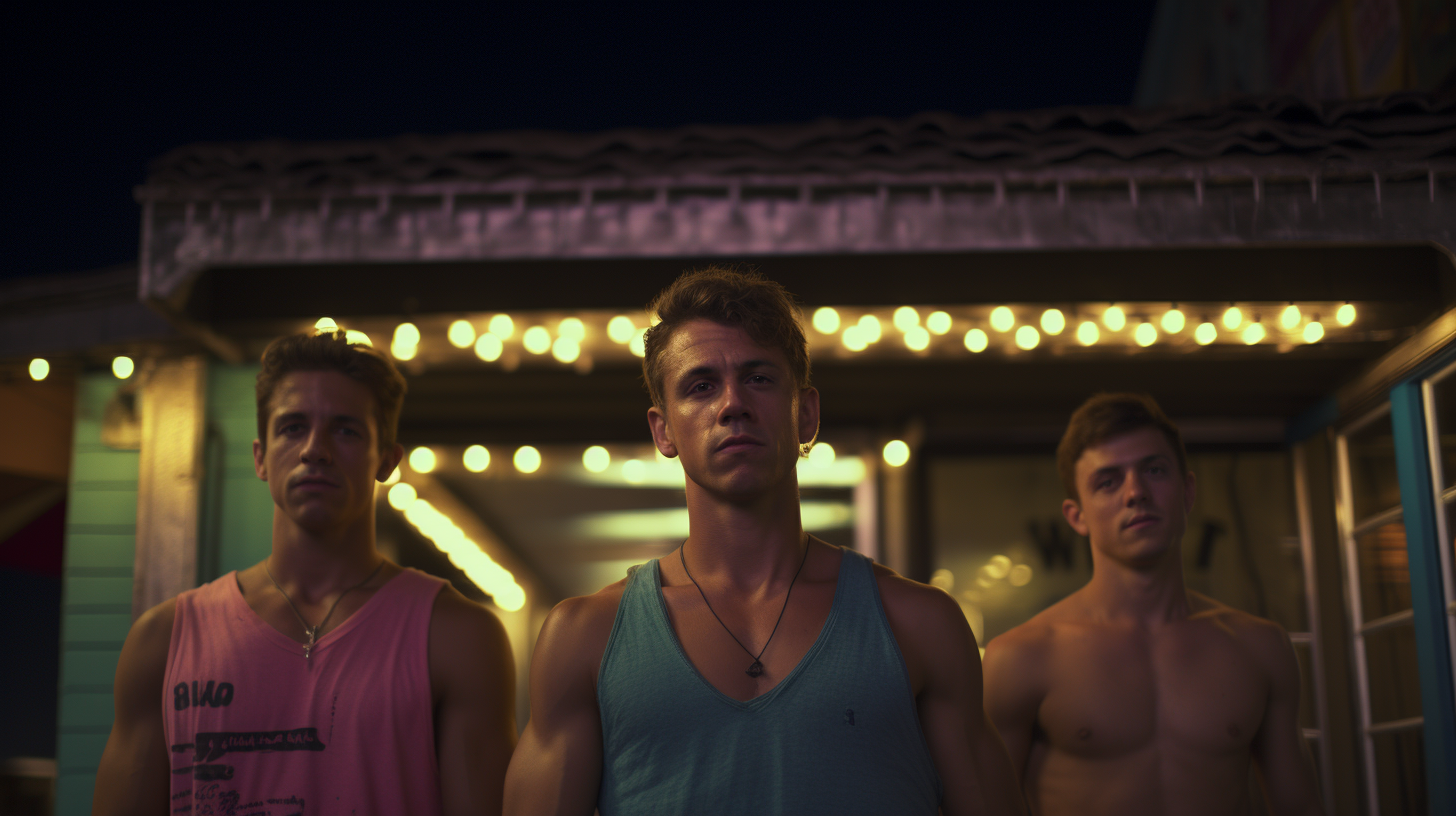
(1374, 485)
(1443, 397)
(1384, 570)
(1395, 683)
(1400, 772)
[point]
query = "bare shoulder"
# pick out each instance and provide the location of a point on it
(150, 637)
(575, 633)
(1021, 649)
(458, 621)
(1264, 639)
(912, 600)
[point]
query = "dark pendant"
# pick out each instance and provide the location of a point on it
(755, 670)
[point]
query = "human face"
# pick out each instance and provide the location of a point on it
(322, 456)
(1132, 500)
(732, 411)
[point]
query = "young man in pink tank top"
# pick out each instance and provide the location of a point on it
(324, 679)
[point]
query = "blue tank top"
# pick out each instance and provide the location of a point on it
(838, 735)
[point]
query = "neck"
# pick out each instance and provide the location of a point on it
(750, 543)
(1152, 595)
(320, 562)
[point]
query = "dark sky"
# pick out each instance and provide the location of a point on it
(91, 96)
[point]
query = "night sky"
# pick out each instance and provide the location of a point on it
(92, 95)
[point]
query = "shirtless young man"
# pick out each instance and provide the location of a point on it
(755, 669)
(1134, 695)
(324, 679)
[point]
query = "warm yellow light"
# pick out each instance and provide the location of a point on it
(826, 320)
(476, 458)
(1019, 576)
(1345, 315)
(854, 338)
(122, 367)
(1087, 333)
(1053, 321)
(1289, 317)
(896, 453)
(325, 325)
(998, 566)
(461, 334)
(572, 327)
(1233, 318)
(406, 334)
(501, 326)
(1254, 333)
(620, 329)
(917, 338)
(357, 338)
(1002, 319)
(976, 341)
(565, 349)
(905, 317)
(1314, 331)
(634, 471)
(1205, 333)
(638, 344)
(596, 458)
(422, 460)
(821, 454)
(488, 347)
(537, 340)
(1027, 338)
(393, 477)
(39, 369)
(1114, 318)
(1173, 321)
(870, 326)
(403, 352)
(1145, 334)
(938, 322)
(402, 495)
(527, 459)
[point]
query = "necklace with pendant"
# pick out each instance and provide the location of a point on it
(756, 668)
(313, 631)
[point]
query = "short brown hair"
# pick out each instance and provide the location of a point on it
(331, 351)
(761, 307)
(1105, 417)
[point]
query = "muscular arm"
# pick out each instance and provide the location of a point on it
(1279, 749)
(1013, 694)
(974, 770)
(474, 679)
(134, 776)
(557, 768)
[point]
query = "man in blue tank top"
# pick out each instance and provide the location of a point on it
(755, 669)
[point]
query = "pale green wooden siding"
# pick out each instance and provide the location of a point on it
(238, 510)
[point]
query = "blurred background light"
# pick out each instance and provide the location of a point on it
(39, 369)
(501, 326)
(488, 347)
(572, 327)
(1027, 338)
(854, 338)
(821, 454)
(402, 495)
(565, 349)
(325, 325)
(620, 329)
(1205, 333)
(938, 323)
(1254, 333)
(917, 338)
(976, 341)
(1002, 319)
(357, 338)
(596, 459)
(1345, 315)
(1114, 318)
(406, 334)
(1145, 334)
(1087, 333)
(393, 476)
(870, 326)
(826, 320)
(537, 340)
(1174, 321)
(122, 367)
(476, 458)
(1053, 321)
(461, 334)
(634, 471)
(422, 460)
(638, 343)
(1289, 317)
(527, 459)
(905, 318)
(1314, 331)
(896, 453)
(1233, 318)
(1019, 576)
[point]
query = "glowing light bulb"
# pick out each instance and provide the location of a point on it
(1027, 338)
(620, 329)
(1019, 576)
(461, 334)
(1087, 333)
(476, 458)
(1145, 334)
(1233, 318)
(1345, 315)
(1254, 333)
(826, 320)
(357, 338)
(870, 326)
(938, 322)
(1173, 321)
(406, 334)
(853, 338)
(488, 347)
(1205, 333)
(1114, 318)
(527, 459)
(1314, 331)
(596, 458)
(39, 369)
(122, 367)
(821, 454)
(501, 326)
(634, 471)
(896, 453)
(638, 344)
(402, 495)
(905, 317)
(1002, 319)
(1053, 321)
(403, 352)
(325, 325)
(422, 460)
(572, 327)
(1289, 317)
(537, 340)
(976, 341)
(565, 349)
(917, 338)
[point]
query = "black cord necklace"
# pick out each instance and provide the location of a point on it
(756, 668)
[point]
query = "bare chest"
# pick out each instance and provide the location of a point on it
(1189, 688)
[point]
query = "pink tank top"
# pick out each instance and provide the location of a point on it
(254, 728)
